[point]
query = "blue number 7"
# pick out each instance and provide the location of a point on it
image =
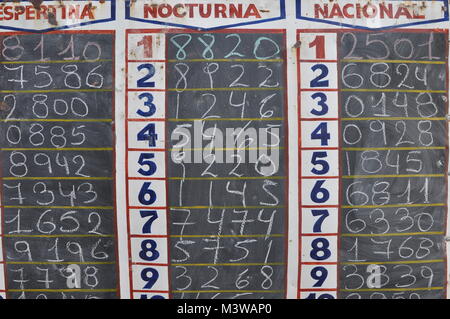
(323, 213)
(147, 228)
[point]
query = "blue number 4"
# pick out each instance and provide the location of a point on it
(321, 133)
(148, 133)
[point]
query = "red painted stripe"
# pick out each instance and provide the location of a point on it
(142, 61)
(147, 178)
(318, 264)
(314, 206)
(149, 236)
(146, 120)
(318, 289)
(145, 207)
(318, 90)
(147, 90)
(149, 264)
(320, 177)
(318, 119)
(130, 270)
(155, 291)
(318, 61)
(319, 148)
(146, 150)
(320, 235)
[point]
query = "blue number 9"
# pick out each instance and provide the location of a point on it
(150, 280)
(320, 274)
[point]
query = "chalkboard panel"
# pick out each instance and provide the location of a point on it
(227, 189)
(394, 158)
(56, 145)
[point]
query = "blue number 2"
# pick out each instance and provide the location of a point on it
(143, 82)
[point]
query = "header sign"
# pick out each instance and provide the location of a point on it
(45, 15)
(205, 14)
(374, 14)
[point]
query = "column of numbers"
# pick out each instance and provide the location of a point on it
(319, 168)
(146, 169)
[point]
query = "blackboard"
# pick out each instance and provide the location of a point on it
(57, 172)
(227, 214)
(394, 150)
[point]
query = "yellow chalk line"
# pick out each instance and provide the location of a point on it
(61, 207)
(59, 236)
(393, 61)
(58, 263)
(55, 91)
(392, 148)
(392, 176)
(226, 178)
(391, 289)
(60, 149)
(227, 149)
(394, 119)
(226, 291)
(225, 207)
(228, 236)
(227, 265)
(227, 119)
(394, 90)
(227, 89)
(395, 206)
(394, 262)
(393, 234)
(56, 61)
(56, 120)
(58, 178)
(62, 290)
(226, 60)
